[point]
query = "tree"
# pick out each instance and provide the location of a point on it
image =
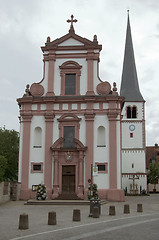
(153, 174)
(3, 166)
(9, 149)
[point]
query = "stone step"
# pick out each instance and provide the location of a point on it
(72, 196)
(60, 202)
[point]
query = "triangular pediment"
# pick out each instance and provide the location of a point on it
(71, 42)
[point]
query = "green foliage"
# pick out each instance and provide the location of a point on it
(9, 149)
(153, 174)
(92, 193)
(3, 166)
(41, 192)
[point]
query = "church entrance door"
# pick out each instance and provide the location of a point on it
(68, 179)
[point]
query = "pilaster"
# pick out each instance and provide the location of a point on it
(90, 75)
(51, 58)
(26, 120)
(89, 118)
(49, 119)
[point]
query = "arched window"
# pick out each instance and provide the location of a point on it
(101, 136)
(37, 137)
(134, 112)
(129, 112)
(70, 78)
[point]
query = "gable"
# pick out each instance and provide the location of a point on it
(71, 42)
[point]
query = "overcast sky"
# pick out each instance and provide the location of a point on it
(25, 25)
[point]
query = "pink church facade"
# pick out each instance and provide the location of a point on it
(68, 121)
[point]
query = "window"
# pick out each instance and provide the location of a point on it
(69, 135)
(36, 167)
(70, 84)
(37, 137)
(131, 135)
(102, 167)
(131, 112)
(134, 112)
(70, 78)
(101, 137)
(128, 112)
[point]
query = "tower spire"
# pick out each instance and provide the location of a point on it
(129, 84)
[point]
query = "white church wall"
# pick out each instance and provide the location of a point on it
(118, 156)
(105, 105)
(20, 153)
(102, 180)
(101, 154)
(43, 106)
(71, 42)
(34, 106)
(133, 161)
(55, 129)
(82, 130)
(95, 75)
(45, 81)
(136, 140)
(83, 77)
(35, 179)
(37, 155)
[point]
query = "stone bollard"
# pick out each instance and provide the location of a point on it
(95, 212)
(23, 221)
(111, 210)
(76, 215)
(52, 218)
(139, 207)
(126, 208)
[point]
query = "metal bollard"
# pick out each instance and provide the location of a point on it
(76, 215)
(95, 212)
(23, 221)
(112, 211)
(126, 208)
(52, 218)
(139, 207)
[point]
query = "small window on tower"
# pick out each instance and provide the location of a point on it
(70, 84)
(134, 112)
(128, 112)
(131, 135)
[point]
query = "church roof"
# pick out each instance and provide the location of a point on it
(129, 84)
(80, 43)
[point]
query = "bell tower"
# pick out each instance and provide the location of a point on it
(133, 123)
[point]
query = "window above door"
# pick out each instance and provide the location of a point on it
(70, 78)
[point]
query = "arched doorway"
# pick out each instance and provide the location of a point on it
(68, 176)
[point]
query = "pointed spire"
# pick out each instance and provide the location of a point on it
(129, 84)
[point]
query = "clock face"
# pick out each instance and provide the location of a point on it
(131, 127)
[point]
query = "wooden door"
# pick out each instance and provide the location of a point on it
(68, 179)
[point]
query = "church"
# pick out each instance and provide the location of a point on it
(72, 120)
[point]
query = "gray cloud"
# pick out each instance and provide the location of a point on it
(25, 26)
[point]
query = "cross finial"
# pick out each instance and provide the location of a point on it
(72, 21)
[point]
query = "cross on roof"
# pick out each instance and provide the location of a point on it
(72, 21)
